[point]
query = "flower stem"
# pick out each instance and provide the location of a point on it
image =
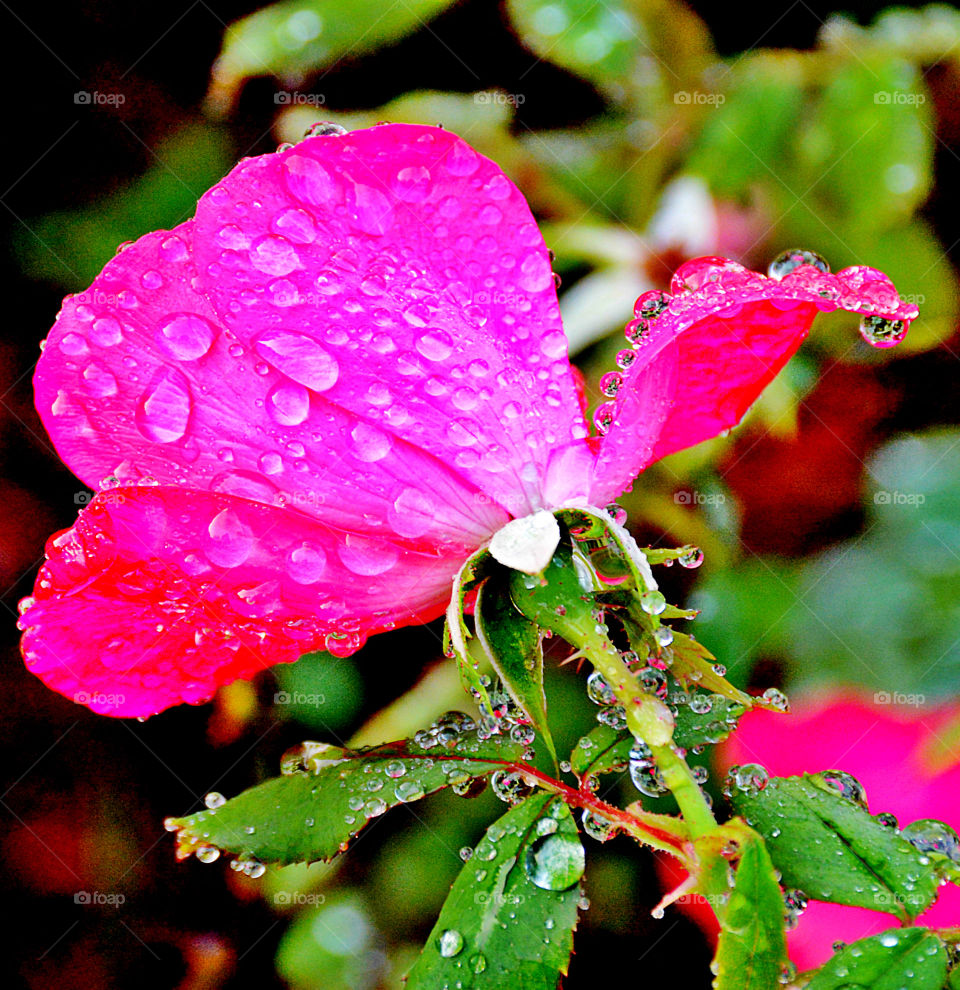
(649, 721)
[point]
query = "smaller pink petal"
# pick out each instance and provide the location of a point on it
(160, 595)
(704, 353)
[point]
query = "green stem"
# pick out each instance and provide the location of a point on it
(649, 720)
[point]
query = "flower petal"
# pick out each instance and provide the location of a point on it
(162, 595)
(138, 378)
(701, 361)
(401, 275)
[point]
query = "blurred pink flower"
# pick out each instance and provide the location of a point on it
(314, 399)
(907, 764)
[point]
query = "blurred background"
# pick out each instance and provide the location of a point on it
(643, 132)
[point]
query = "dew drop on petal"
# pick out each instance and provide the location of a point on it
(790, 260)
(288, 404)
(369, 443)
(306, 563)
(164, 408)
(367, 557)
(186, 336)
(229, 542)
(299, 357)
(880, 332)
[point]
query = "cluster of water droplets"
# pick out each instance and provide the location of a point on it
(649, 307)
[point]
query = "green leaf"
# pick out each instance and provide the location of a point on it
(608, 544)
(512, 644)
(511, 913)
(295, 37)
(304, 817)
(752, 948)
(456, 634)
(694, 665)
(902, 957)
(604, 750)
(749, 130)
(832, 849)
(868, 148)
(334, 944)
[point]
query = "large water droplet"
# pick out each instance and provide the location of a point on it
(289, 404)
(186, 336)
(309, 181)
(555, 862)
(450, 943)
(229, 542)
(370, 444)
(274, 255)
(306, 563)
(880, 332)
(790, 260)
(367, 557)
(164, 408)
(299, 357)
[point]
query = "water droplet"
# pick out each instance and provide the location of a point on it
(306, 563)
(367, 557)
(597, 827)
(214, 800)
(691, 557)
(299, 357)
(164, 408)
(288, 404)
(878, 331)
(510, 786)
(776, 698)
(749, 779)
(598, 691)
(229, 542)
(435, 345)
(450, 943)
(207, 854)
(409, 790)
(651, 304)
(186, 336)
(652, 602)
(477, 963)
(788, 261)
(274, 255)
(555, 862)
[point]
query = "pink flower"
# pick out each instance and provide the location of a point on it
(907, 764)
(314, 399)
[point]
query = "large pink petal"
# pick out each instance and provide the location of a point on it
(400, 275)
(138, 378)
(161, 595)
(700, 363)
